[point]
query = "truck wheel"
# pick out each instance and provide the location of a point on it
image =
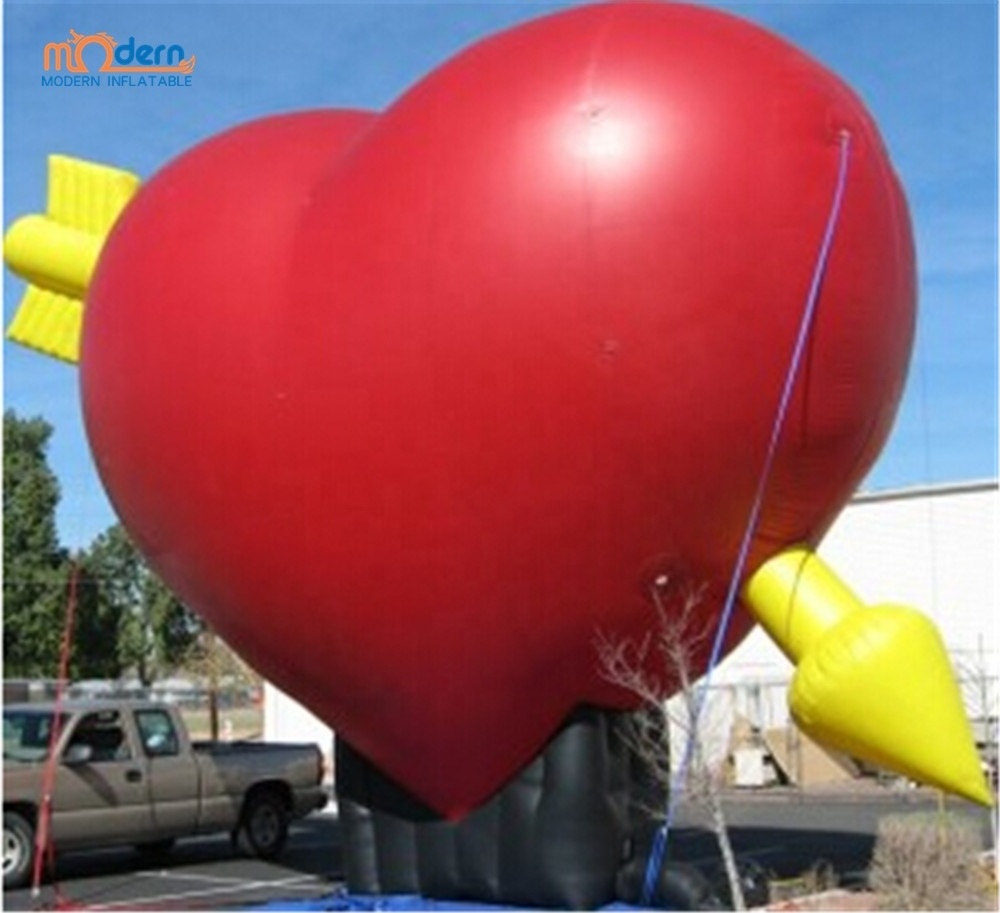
(18, 850)
(263, 826)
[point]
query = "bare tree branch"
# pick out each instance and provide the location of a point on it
(653, 669)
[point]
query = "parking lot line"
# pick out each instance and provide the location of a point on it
(223, 885)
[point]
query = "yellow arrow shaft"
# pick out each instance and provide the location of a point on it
(52, 256)
(797, 597)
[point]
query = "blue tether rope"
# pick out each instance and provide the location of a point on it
(659, 849)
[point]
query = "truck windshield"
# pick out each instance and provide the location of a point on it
(26, 734)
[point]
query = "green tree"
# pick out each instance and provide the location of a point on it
(35, 567)
(96, 629)
(155, 631)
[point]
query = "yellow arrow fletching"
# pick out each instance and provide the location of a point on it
(57, 252)
(50, 323)
(87, 195)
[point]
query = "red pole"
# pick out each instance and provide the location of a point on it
(43, 843)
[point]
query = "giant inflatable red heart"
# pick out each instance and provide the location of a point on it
(411, 405)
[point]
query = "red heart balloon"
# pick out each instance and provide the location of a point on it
(412, 406)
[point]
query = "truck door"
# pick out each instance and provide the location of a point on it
(100, 793)
(173, 773)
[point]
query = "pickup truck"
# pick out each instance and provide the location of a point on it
(127, 772)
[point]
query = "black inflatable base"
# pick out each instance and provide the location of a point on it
(557, 835)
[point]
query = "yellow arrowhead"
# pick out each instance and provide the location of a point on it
(875, 683)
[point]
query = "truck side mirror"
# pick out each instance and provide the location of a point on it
(78, 753)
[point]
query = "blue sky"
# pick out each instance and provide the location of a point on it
(927, 71)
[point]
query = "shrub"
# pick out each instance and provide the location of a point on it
(930, 862)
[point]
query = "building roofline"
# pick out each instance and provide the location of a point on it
(937, 489)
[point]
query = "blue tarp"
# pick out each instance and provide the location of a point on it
(341, 900)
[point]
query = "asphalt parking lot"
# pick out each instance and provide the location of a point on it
(200, 874)
(787, 833)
